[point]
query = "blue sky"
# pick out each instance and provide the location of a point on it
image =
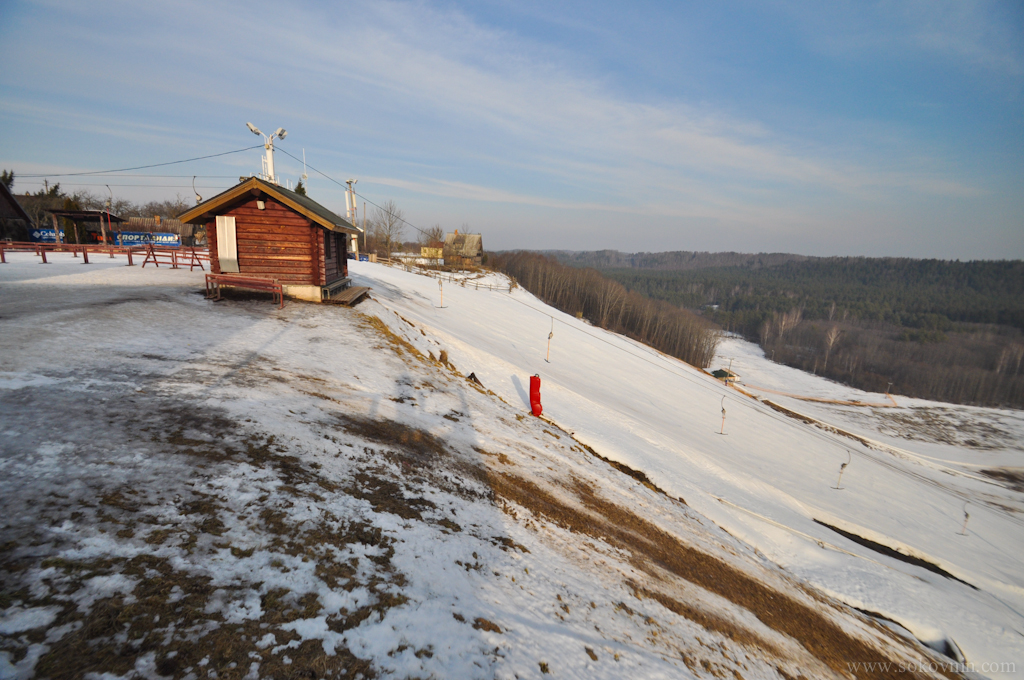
(841, 128)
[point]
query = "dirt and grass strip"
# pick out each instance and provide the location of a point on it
(655, 552)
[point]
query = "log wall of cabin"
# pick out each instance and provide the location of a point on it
(322, 240)
(211, 244)
(278, 243)
(274, 243)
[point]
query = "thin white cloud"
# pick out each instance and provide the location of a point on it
(969, 33)
(504, 119)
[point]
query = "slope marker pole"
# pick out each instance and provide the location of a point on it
(440, 286)
(967, 517)
(842, 468)
(550, 335)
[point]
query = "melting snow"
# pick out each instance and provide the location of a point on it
(302, 481)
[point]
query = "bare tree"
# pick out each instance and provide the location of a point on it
(1010, 357)
(171, 208)
(831, 335)
(388, 225)
(434, 234)
(787, 320)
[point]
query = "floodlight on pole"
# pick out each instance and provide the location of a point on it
(268, 144)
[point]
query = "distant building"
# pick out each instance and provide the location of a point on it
(14, 221)
(463, 249)
(259, 229)
(725, 376)
(88, 225)
(189, 234)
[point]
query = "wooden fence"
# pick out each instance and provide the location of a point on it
(175, 257)
(465, 281)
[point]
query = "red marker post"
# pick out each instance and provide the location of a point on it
(535, 395)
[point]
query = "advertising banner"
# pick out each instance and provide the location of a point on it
(142, 238)
(46, 236)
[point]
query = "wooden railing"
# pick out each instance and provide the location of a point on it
(193, 257)
(175, 257)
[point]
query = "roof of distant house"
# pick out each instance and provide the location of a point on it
(86, 215)
(465, 245)
(301, 204)
(9, 206)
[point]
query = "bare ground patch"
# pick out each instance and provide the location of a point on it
(1012, 478)
(163, 536)
(958, 427)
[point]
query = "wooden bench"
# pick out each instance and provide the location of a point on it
(215, 281)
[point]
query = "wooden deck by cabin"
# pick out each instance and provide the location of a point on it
(349, 296)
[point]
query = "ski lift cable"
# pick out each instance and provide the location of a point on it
(345, 186)
(142, 167)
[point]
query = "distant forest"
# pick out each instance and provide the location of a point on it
(676, 260)
(944, 330)
(587, 294)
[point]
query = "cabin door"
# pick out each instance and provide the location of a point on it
(339, 248)
(227, 246)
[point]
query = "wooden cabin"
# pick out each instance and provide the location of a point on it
(260, 229)
(726, 376)
(463, 249)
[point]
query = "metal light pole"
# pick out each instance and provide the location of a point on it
(350, 200)
(268, 144)
(352, 210)
(103, 229)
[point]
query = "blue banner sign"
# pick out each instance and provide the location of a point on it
(142, 238)
(45, 236)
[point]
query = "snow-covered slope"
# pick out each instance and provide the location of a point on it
(192, 486)
(770, 476)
